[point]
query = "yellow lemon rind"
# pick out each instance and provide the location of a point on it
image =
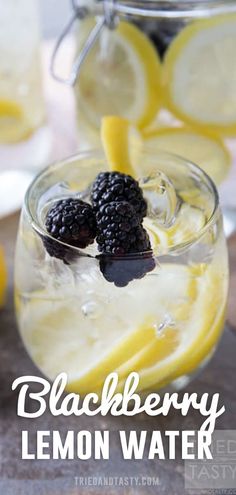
(172, 55)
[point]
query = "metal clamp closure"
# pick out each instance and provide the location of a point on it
(108, 19)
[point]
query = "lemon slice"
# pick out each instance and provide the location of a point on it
(121, 76)
(58, 339)
(120, 353)
(188, 223)
(116, 134)
(12, 125)
(163, 343)
(204, 321)
(199, 356)
(206, 151)
(60, 335)
(145, 336)
(10, 109)
(208, 344)
(160, 238)
(199, 74)
(3, 278)
(181, 350)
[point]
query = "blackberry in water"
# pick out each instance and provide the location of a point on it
(121, 271)
(115, 186)
(163, 32)
(117, 226)
(120, 234)
(72, 222)
(56, 250)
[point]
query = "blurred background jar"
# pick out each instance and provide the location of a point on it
(169, 67)
(24, 134)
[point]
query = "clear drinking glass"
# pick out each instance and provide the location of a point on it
(184, 101)
(24, 137)
(164, 325)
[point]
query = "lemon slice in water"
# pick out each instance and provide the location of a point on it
(180, 349)
(58, 333)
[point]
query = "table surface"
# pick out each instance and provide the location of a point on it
(58, 477)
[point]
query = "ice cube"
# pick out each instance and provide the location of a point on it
(161, 197)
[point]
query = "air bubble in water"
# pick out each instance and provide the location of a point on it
(92, 310)
(167, 322)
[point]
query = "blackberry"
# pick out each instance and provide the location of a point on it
(56, 250)
(118, 228)
(115, 186)
(72, 222)
(121, 271)
(124, 243)
(160, 43)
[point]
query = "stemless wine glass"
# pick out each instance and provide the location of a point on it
(159, 313)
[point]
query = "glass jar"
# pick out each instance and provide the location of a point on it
(24, 139)
(169, 67)
(159, 313)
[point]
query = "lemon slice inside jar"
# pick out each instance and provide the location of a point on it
(199, 74)
(209, 152)
(121, 76)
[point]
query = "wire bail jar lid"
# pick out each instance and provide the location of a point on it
(107, 17)
(108, 12)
